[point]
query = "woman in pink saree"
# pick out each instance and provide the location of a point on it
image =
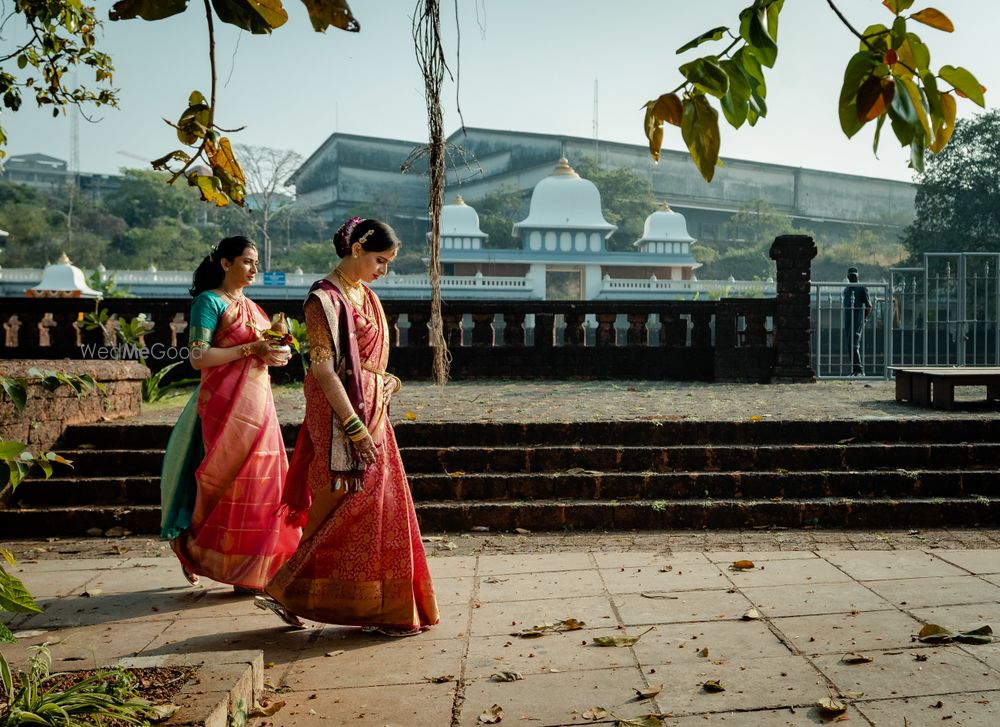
(361, 561)
(225, 464)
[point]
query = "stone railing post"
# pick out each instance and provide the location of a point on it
(793, 256)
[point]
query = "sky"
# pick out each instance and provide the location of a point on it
(524, 65)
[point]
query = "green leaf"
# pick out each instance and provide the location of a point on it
(964, 81)
(17, 389)
(945, 125)
(898, 33)
(707, 75)
(982, 635)
(46, 466)
(754, 30)
(615, 640)
(878, 133)
(6, 637)
(735, 103)
(700, 131)
(146, 9)
(751, 66)
(8, 556)
(14, 597)
(934, 634)
(258, 16)
(335, 13)
(773, 10)
(905, 122)
(713, 34)
(644, 720)
(11, 450)
(877, 37)
(859, 68)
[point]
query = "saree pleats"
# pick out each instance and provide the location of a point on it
(361, 560)
(237, 534)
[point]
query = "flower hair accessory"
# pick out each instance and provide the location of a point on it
(342, 240)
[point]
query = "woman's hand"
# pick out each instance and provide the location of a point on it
(366, 449)
(277, 358)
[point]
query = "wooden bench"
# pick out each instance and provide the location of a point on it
(935, 385)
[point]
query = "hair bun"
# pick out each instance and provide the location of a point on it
(342, 238)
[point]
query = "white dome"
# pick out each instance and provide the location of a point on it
(567, 201)
(63, 280)
(460, 220)
(665, 225)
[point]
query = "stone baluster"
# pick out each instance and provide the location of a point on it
(45, 327)
(452, 324)
(419, 334)
(513, 330)
(673, 330)
(606, 334)
(793, 256)
(483, 333)
(392, 319)
(638, 331)
(701, 334)
(177, 325)
(576, 334)
(545, 330)
(755, 332)
(12, 330)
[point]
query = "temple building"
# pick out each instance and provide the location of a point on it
(560, 248)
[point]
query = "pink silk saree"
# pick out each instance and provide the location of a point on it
(238, 533)
(361, 561)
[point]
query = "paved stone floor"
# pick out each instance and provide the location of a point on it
(820, 595)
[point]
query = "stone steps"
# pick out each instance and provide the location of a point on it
(617, 475)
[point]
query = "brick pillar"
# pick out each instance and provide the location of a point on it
(793, 256)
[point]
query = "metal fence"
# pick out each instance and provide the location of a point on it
(945, 313)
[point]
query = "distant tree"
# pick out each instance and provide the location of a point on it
(498, 211)
(266, 171)
(627, 199)
(167, 243)
(35, 234)
(142, 198)
(958, 193)
(744, 255)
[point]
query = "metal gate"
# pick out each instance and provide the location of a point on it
(946, 313)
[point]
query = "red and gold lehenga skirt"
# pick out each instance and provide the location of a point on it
(361, 561)
(238, 533)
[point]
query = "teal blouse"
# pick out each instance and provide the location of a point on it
(206, 310)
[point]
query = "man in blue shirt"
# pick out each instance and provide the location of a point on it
(857, 308)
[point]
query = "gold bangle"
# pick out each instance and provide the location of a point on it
(245, 350)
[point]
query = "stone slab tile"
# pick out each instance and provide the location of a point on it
(450, 591)
(867, 565)
(943, 591)
(71, 564)
(680, 606)
(533, 563)
(725, 557)
(974, 561)
(557, 699)
(280, 644)
(750, 684)
(505, 617)
(681, 577)
(371, 661)
(893, 674)
(788, 572)
(637, 559)
(802, 600)
(679, 644)
(994, 579)
(54, 584)
(138, 577)
(415, 705)
(102, 608)
(802, 716)
(988, 653)
(972, 709)
(962, 618)
(531, 586)
(552, 653)
(844, 632)
(455, 566)
(97, 646)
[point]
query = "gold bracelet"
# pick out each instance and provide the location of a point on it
(245, 350)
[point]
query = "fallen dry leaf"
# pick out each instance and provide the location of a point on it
(615, 640)
(645, 720)
(506, 676)
(857, 659)
(569, 624)
(666, 569)
(491, 715)
(440, 679)
(829, 705)
(659, 594)
(338, 652)
(751, 614)
(703, 652)
(266, 710)
(742, 565)
(160, 712)
(713, 685)
(649, 692)
(595, 713)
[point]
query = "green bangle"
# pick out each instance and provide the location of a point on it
(359, 435)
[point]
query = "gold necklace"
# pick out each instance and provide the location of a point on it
(352, 289)
(231, 296)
